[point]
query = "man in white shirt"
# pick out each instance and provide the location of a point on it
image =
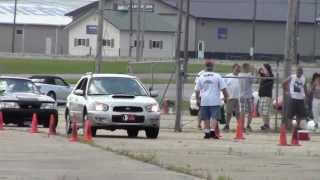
(233, 88)
(208, 88)
(295, 85)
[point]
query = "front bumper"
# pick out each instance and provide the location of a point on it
(19, 116)
(123, 120)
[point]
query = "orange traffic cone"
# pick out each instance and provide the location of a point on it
(34, 124)
(52, 126)
(295, 138)
(74, 133)
(87, 131)
(1, 120)
(283, 136)
(239, 130)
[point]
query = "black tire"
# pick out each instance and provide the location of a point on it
(132, 133)
(193, 112)
(152, 132)
(68, 124)
(20, 124)
(52, 95)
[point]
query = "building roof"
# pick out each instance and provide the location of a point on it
(121, 20)
(152, 22)
(267, 10)
(39, 12)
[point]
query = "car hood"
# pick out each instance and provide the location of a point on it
(26, 97)
(113, 100)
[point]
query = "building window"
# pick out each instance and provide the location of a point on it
(19, 31)
(222, 33)
(81, 42)
(92, 29)
(108, 43)
(156, 44)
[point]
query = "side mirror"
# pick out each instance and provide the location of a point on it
(79, 92)
(154, 93)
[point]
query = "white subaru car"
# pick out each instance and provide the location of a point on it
(111, 102)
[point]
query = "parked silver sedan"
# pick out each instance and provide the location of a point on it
(53, 86)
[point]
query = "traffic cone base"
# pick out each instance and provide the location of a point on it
(295, 138)
(34, 124)
(283, 136)
(87, 131)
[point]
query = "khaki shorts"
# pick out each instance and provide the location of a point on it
(233, 106)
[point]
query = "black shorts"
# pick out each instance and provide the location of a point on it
(297, 108)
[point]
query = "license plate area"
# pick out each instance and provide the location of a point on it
(128, 118)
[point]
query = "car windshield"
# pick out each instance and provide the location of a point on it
(17, 85)
(115, 85)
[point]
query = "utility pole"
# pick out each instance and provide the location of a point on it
(99, 37)
(131, 28)
(138, 32)
(314, 43)
(186, 42)
(13, 40)
(178, 69)
(142, 32)
(296, 33)
(253, 43)
(289, 55)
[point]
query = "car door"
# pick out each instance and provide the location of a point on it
(79, 101)
(62, 89)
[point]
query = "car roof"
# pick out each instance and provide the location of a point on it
(111, 75)
(13, 77)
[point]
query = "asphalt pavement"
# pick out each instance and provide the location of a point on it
(25, 156)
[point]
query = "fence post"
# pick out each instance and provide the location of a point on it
(277, 96)
(152, 74)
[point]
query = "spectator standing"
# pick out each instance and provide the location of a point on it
(315, 91)
(233, 88)
(208, 89)
(296, 87)
(246, 94)
(265, 94)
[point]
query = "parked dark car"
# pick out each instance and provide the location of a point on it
(20, 98)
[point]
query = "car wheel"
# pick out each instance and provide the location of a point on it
(52, 95)
(193, 112)
(152, 132)
(132, 133)
(68, 124)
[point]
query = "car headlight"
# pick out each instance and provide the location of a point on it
(153, 108)
(48, 106)
(9, 105)
(101, 107)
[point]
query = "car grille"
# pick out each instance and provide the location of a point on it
(127, 109)
(29, 105)
(120, 119)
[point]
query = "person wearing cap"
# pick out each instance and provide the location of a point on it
(208, 88)
(295, 87)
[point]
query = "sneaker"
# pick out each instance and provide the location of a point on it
(249, 128)
(226, 128)
(207, 136)
(213, 135)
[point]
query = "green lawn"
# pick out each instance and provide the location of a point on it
(51, 66)
(170, 67)
(44, 66)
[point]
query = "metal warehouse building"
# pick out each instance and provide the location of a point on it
(39, 26)
(223, 29)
